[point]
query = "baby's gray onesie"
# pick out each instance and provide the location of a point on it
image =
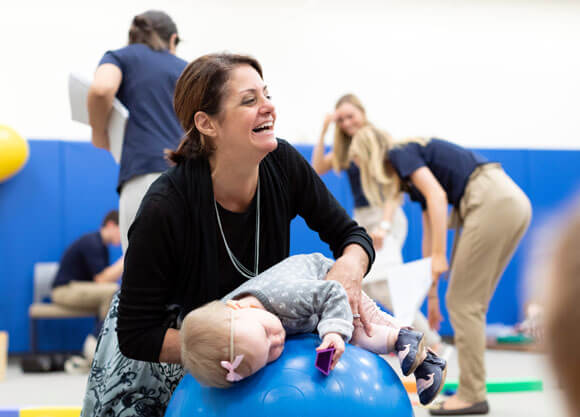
(295, 290)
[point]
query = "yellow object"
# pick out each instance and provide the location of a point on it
(3, 353)
(51, 412)
(13, 152)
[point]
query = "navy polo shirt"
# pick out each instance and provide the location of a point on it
(147, 87)
(356, 187)
(450, 164)
(82, 260)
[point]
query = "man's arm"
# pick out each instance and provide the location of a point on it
(111, 273)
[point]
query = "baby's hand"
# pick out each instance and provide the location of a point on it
(333, 340)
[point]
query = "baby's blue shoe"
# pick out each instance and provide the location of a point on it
(430, 377)
(410, 350)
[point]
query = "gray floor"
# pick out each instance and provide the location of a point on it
(516, 365)
(60, 389)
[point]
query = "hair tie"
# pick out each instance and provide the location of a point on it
(142, 23)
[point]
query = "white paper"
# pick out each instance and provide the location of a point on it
(408, 285)
(78, 89)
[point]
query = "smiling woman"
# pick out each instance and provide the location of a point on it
(243, 130)
(202, 230)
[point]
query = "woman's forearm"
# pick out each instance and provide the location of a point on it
(100, 98)
(390, 207)
(356, 254)
(99, 106)
(321, 162)
(426, 237)
(437, 212)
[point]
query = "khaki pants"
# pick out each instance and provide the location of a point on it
(132, 193)
(375, 283)
(494, 213)
(86, 295)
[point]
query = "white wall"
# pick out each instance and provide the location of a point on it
(483, 73)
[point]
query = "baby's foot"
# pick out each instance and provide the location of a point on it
(410, 350)
(430, 377)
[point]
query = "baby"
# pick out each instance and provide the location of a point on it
(225, 341)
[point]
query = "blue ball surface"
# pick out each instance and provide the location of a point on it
(362, 384)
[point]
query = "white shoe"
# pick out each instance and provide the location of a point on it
(77, 365)
(89, 348)
(444, 350)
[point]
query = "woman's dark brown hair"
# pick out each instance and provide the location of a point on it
(153, 28)
(201, 87)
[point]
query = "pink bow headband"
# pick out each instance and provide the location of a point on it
(233, 376)
(232, 364)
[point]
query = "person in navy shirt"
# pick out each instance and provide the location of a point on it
(493, 214)
(85, 278)
(385, 221)
(142, 76)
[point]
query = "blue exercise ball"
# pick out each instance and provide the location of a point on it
(362, 384)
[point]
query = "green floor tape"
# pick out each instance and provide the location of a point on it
(518, 339)
(514, 385)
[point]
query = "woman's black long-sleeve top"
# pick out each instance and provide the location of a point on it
(172, 257)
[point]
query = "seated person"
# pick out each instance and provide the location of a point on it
(85, 278)
(248, 331)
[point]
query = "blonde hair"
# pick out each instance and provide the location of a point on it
(205, 342)
(562, 312)
(370, 147)
(342, 141)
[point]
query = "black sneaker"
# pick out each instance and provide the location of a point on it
(430, 377)
(410, 350)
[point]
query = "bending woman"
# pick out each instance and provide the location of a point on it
(216, 219)
(385, 222)
(493, 214)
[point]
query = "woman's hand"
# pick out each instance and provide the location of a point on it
(100, 139)
(349, 270)
(378, 236)
(333, 340)
(439, 265)
(433, 312)
(328, 119)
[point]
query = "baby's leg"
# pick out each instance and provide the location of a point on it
(375, 314)
(388, 335)
(385, 329)
(381, 341)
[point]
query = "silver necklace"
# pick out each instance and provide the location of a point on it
(237, 264)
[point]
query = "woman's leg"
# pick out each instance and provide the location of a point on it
(496, 213)
(119, 386)
(132, 193)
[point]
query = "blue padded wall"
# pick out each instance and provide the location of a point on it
(304, 240)
(67, 187)
(63, 191)
(31, 221)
